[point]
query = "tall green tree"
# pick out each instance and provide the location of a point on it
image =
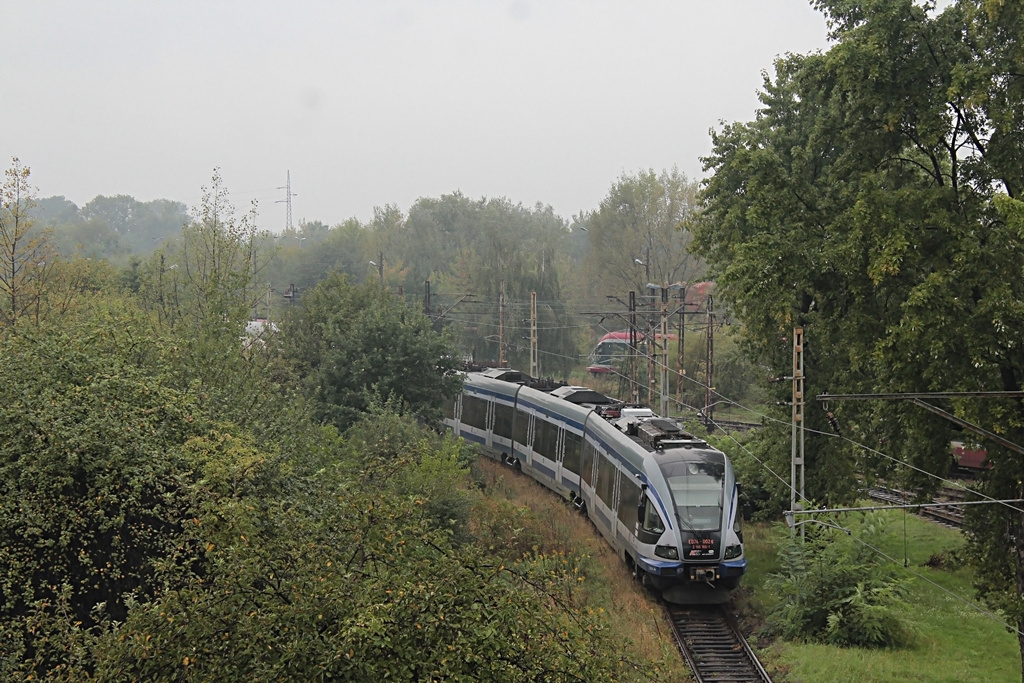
(640, 233)
(353, 346)
(872, 202)
(202, 289)
(471, 247)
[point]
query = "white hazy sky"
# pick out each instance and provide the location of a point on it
(368, 103)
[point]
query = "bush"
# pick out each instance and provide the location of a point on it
(356, 580)
(834, 589)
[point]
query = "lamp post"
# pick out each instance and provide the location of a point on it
(379, 264)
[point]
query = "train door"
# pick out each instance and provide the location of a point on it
(571, 465)
(452, 408)
(604, 504)
(616, 523)
(489, 421)
(559, 455)
(531, 434)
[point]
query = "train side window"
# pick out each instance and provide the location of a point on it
(629, 498)
(545, 441)
(448, 407)
(587, 464)
(605, 479)
(503, 420)
(521, 430)
(571, 454)
(474, 411)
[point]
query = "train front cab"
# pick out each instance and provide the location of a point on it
(702, 501)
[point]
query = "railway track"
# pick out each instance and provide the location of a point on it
(951, 514)
(714, 649)
(731, 425)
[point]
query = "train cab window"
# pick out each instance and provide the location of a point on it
(697, 490)
(629, 498)
(474, 411)
(571, 454)
(503, 420)
(587, 463)
(605, 479)
(521, 429)
(653, 523)
(652, 526)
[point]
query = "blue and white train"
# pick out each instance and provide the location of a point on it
(665, 500)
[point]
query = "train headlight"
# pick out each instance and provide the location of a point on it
(732, 551)
(669, 552)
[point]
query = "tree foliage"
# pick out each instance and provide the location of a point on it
(95, 487)
(353, 346)
(110, 227)
(348, 576)
(872, 203)
(643, 218)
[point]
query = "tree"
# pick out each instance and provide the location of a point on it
(640, 235)
(23, 250)
(305, 258)
(516, 247)
(110, 227)
(139, 226)
(434, 231)
(356, 345)
(872, 202)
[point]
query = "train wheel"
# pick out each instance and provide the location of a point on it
(639, 574)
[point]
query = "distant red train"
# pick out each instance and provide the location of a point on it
(969, 459)
(613, 348)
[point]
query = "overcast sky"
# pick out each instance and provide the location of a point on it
(368, 103)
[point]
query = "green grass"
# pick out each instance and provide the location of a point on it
(954, 642)
(632, 614)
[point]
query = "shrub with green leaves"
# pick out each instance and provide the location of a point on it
(835, 589)
(93, 486)
(356, 580)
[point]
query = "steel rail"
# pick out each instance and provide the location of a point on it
(712, 645)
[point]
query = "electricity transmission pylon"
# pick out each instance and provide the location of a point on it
(288, 194)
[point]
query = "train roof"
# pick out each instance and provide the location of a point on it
(519, 377)
(582, 396)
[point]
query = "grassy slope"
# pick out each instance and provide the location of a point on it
(954, 641)
(552, 525)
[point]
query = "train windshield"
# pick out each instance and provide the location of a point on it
(697, 489)
(609, 352)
